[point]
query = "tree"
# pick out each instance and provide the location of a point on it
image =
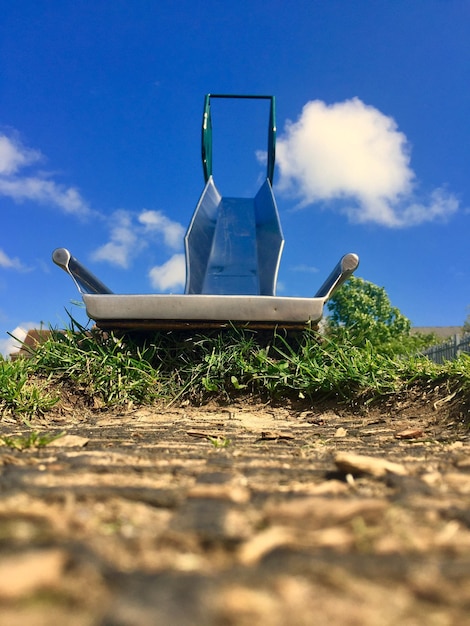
(466, 324)
(361, 311)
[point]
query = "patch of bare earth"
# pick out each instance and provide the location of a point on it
(239, 515)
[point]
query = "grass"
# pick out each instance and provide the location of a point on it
(23, 394)
(171, 367)
(99, 365)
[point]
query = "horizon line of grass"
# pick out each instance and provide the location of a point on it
(169, 367)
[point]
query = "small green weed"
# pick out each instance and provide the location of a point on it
(220, 442)
(31, 440)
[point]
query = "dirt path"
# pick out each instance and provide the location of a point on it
(239, 515)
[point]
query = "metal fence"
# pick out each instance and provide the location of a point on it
(448, 350)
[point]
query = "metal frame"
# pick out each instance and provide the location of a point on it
(153, 311)
(206, 139)
(233, 248)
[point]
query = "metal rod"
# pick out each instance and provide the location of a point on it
(342, 271)
(85, 281)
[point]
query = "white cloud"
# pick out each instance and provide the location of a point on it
(124, 243)
(352, 153)
(130, 233)
(13, 155)
(8, 262)
(156, 221)
(170, 275)
(441, 204)
(310, 269)
(13, 343)
(36, 187)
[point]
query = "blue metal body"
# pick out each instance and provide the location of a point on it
(234, 245)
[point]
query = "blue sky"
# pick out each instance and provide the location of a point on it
(100, 115)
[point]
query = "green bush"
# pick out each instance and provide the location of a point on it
(361, 312)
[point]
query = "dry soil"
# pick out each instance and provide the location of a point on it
(238, 515)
